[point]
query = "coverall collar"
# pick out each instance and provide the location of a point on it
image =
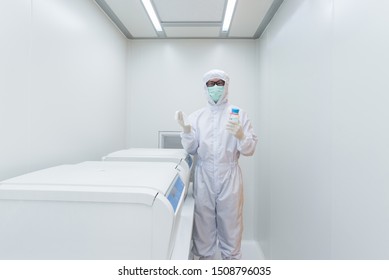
(217, 107)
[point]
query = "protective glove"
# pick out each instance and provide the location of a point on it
(186, 128)
(235, 129)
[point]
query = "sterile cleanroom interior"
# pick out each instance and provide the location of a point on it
(74, 88)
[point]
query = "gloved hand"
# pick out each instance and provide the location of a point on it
(186, 128)
(235, 129)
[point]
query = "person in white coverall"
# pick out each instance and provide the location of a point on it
(218, 187)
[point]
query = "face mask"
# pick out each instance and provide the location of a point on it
(216, 92)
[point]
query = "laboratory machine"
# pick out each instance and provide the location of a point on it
(97, 210)
(183, 160)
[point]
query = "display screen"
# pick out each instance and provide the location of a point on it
(176, 192)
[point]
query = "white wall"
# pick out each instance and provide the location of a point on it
(166, 75)
(324, 157)
(62, 84)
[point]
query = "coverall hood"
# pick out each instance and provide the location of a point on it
(218, 74)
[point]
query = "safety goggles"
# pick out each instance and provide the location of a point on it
(218, 83)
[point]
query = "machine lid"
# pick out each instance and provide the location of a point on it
(150, 153)
(156, 176)
(77, 194)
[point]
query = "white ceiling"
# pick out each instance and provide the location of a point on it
(190, 18)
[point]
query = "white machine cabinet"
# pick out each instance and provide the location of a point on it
(185, 164)
(93, 210)
(183, 160)
(151, 154)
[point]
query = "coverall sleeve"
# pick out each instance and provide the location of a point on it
(189, 141)
(247, 145)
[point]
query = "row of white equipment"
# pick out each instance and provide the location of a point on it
(137, 207)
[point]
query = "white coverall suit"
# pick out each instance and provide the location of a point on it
(218, 189)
